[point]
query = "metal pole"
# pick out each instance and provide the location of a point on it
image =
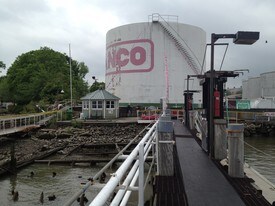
(157, 152)
(71, 79)
(211, 100)
(141, 175)
(126, 183)
(135, 170)
(187, 104)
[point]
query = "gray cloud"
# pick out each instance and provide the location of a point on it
(28, 25)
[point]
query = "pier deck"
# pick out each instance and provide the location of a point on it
(203, 182)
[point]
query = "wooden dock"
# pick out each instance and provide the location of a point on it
(200, 181)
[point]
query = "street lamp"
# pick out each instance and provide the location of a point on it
(241, 37)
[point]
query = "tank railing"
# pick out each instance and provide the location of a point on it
(116, 177)
(178, 39)
(109, 164)
(169, 18)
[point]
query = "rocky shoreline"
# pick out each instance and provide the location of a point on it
(41, 142)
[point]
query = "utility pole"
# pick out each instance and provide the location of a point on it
(71, 79)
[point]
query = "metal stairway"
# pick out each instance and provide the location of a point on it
(181, 45)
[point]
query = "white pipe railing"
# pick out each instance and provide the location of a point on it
(132, 172)
(141, 176)
(97, 175)
(12, 124)
(114, 181)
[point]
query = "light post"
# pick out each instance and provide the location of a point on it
(241, 37)
(71, 78)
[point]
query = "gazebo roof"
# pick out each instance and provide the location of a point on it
(100, 94)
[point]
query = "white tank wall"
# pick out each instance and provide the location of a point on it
(244, 88)
(268, 84)
(254, 88)
(146, 83)
(259, 87)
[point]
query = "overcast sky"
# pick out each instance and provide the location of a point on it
(30, 24)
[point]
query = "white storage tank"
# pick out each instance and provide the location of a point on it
(143, 58)
(268, 84)
(244, 89)
(253, 88)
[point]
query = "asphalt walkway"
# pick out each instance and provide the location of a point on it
(204, 184)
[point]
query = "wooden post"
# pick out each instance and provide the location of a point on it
(220, 140)
(235, 150)
(13, 158)
(191, 119)
(165, 149)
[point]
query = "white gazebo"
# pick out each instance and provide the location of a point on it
(100, 104)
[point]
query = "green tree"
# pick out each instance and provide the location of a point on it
(97, 85)
(40, 75)
(4, 90)
(2, 66)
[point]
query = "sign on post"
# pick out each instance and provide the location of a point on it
(242, 104)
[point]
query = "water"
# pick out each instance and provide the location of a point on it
(263, 162)
(66, 183)
(68, 179)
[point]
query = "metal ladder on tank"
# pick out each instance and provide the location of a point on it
(181, 45)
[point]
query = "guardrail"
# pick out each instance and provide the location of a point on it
(139, 155)
(10, 124)
(156, 113)
(259, 116)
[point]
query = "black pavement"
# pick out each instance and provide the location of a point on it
(204, 183)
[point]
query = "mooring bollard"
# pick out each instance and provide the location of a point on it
(191, 120)
(165, 146)
(235, 150)
(220, 140)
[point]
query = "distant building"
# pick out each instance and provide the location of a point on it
(100, 104)
(260, 91)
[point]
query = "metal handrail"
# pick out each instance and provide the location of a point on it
(185, 43)
(114, 181)
(97, 175)
(132, 175)
(111, 185)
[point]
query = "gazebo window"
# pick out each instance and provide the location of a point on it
(97, 104)
(94, 104)
(85, 104)
(110, 104)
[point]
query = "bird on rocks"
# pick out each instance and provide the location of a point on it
(15, 195)
(42, 197)
(82, 200)
(31, 174)
(52, 197)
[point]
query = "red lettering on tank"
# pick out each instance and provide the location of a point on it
(138, 55)
(131, 56)
(122, 57)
